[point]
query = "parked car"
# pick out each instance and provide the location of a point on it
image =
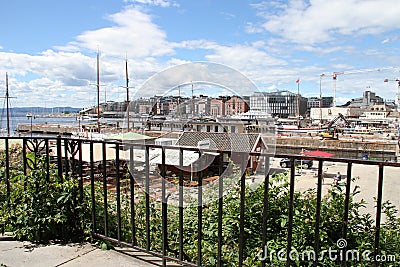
(285, 163)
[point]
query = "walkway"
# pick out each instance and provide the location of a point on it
(20, 254)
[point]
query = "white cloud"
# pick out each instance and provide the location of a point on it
(238, 55)
(271, 62)
(317, 21)
(134, 34)
(162, 3)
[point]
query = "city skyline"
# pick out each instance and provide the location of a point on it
(49, 49)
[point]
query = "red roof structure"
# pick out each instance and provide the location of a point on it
(317, 153)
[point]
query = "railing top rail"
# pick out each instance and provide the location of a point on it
(143, 145)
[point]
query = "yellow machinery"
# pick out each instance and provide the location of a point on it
(331, 132)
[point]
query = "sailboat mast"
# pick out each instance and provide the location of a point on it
(127, 90)
(8, 108)
(98, 93)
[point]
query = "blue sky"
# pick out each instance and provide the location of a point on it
(48, 48)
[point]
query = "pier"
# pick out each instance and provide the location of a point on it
(57, 129)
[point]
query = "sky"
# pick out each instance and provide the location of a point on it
(49, 48)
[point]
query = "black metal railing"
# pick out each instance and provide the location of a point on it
(79, 159)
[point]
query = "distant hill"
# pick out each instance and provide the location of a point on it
(40, 110)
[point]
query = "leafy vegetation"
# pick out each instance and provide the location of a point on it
(42, 209)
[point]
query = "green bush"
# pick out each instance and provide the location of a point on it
(360, 233)
(41, 210)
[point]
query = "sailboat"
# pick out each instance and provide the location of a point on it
(88, 131)
(7, 130)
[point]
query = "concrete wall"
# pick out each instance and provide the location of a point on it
(341, 148)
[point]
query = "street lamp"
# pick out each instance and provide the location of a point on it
(30, 116)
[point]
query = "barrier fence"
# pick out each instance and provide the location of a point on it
(127, 181)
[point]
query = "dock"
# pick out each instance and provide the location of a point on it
(56, 129)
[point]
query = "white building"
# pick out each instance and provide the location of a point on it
(380, 111)
(328, 114)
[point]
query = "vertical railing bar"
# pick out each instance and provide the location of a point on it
(242, 207)
(105, 197)
(265, 211)
(163, 209)
(199, 211)
(47, 159)
(66, 144)
(220, 208)
(290, 212)
(318, 212)
(80, 170)
(378, 214)
(24, 159)
(8, 168)
(59, 158)
(346, 210)
(147, 186)
(180, 204)
(36, 152)
(132, 187)
(117, 166)
(92, 191)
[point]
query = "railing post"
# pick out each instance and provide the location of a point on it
(147, 187)
(220, 207)
(290, 212)
(24, 155)
(181, 204)
(346, 210)
(199, 212)
(318, 212)
(105, 197)
(59, 158)
(242, 206)
(92, 191)
(47, 160)
(164, 209)
(132, 188)
(80, 170)
(118, 176)
(265, 212)
(378, 214)
(66, 144)
(7, 168)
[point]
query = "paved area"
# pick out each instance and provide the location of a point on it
(20, 254)
(366, 178)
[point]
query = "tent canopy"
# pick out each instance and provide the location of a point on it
(129, 136)
(317, 153)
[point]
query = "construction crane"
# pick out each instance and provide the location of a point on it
(331, 132)
(336, 73)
